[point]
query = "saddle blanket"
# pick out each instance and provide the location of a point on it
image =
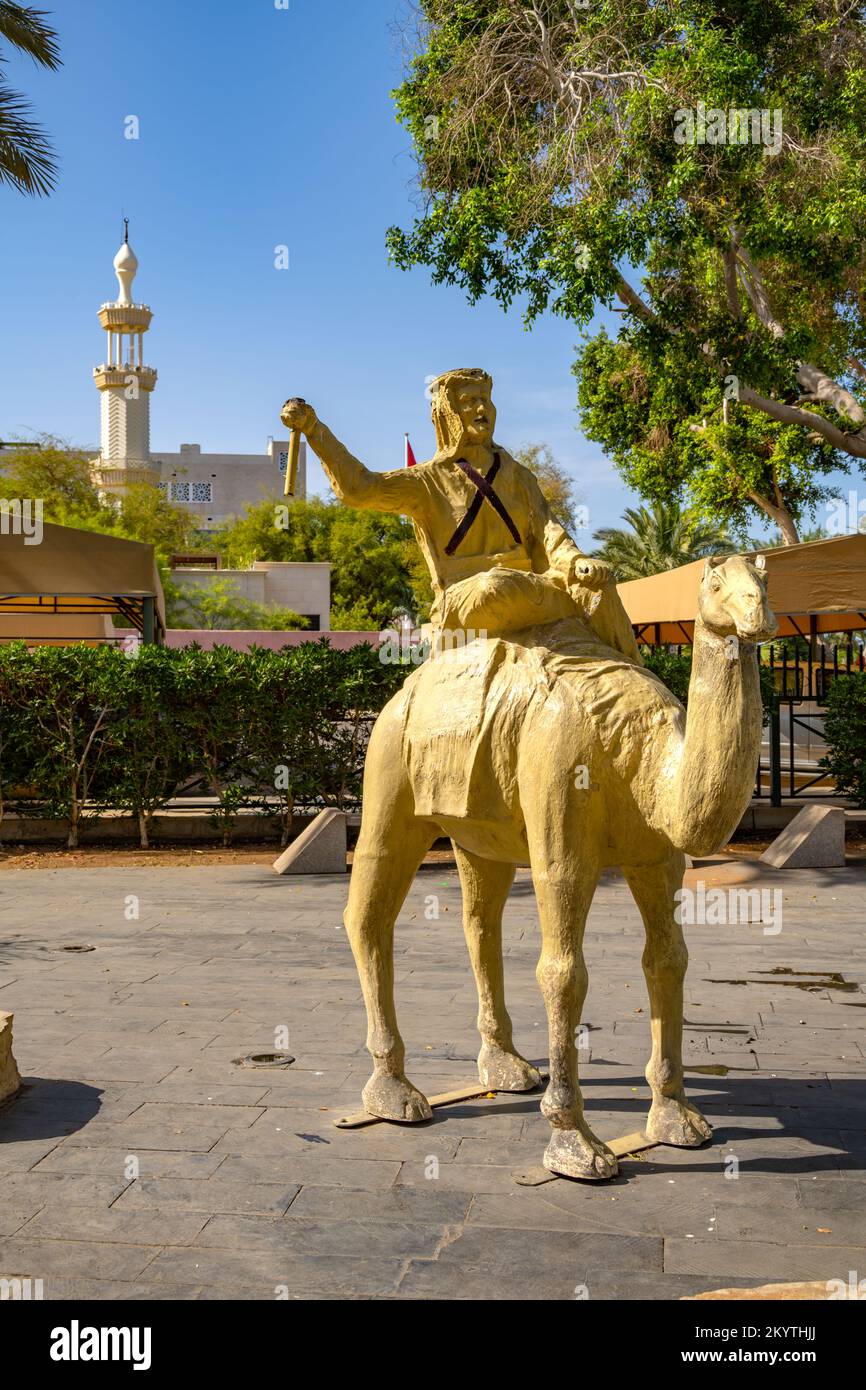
(466, 706)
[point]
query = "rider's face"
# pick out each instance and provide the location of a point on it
(477, 412)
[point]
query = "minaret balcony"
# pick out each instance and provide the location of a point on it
(108, 375)
(115, 475)
(125, 318)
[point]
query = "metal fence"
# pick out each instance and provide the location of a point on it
(792, 768)
(789, 763)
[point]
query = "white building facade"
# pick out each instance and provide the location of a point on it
(305, 589)
(218, 486)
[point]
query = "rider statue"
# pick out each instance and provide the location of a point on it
(499, 561)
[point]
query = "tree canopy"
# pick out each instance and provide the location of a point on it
(376, 568)
(60, 477)
(715, 150)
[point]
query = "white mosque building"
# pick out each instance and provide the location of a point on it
(214, 487)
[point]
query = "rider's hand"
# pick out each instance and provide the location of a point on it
(590, 573)
(297, 415)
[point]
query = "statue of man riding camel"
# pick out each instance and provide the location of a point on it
(542, 741)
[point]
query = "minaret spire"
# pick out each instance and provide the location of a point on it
(125, 384)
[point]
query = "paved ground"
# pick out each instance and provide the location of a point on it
(139, 1162)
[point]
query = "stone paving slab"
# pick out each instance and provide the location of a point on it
(140, 1162)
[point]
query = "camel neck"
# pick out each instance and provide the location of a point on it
(722, 741)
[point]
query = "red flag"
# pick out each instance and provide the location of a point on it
(410, 457)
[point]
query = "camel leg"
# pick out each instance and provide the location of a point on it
(565, 866)
(672, 1120)
(486, 885)
(391, 845)
(563, 904)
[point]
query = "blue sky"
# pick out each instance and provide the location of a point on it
(259, 127)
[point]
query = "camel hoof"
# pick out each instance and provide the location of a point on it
(395, 1098)
(499, 1070)
(577, 1155)
(677, 1123)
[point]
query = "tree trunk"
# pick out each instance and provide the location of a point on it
(142, 830)
(780, 515)
(288, 817)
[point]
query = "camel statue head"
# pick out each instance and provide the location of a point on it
(733, 599)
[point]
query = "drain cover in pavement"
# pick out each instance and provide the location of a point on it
(264, 1059)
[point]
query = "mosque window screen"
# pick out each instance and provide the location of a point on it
(202, 492)
(179, 492)
(284, 460)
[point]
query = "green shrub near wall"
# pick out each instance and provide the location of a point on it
(845, 733)
(83, 729)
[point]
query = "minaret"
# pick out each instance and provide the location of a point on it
(125, 384)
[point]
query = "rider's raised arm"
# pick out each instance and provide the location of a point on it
(399, 490)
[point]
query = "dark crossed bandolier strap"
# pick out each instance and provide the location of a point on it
(484, 490)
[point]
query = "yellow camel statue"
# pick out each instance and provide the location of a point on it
(553, 748)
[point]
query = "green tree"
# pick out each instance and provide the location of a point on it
(221, 606)
(562, 146)
(27, 162)
(845, 732)
(374, 560)
(61, 699)
(217, 685)
(148, 755)
(144, 513)
(659, 538)
(59, 476)
(84, 728)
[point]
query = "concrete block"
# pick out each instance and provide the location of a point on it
(10, 1081)
(320, 849)
(814, 839)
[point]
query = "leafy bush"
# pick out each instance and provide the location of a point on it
(845, 733)
(56, 705)
(83, 729)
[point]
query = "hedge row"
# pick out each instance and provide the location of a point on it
(84, 729)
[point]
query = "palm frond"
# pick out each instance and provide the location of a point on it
(661, 538)
(26, 158)
(26, 30)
